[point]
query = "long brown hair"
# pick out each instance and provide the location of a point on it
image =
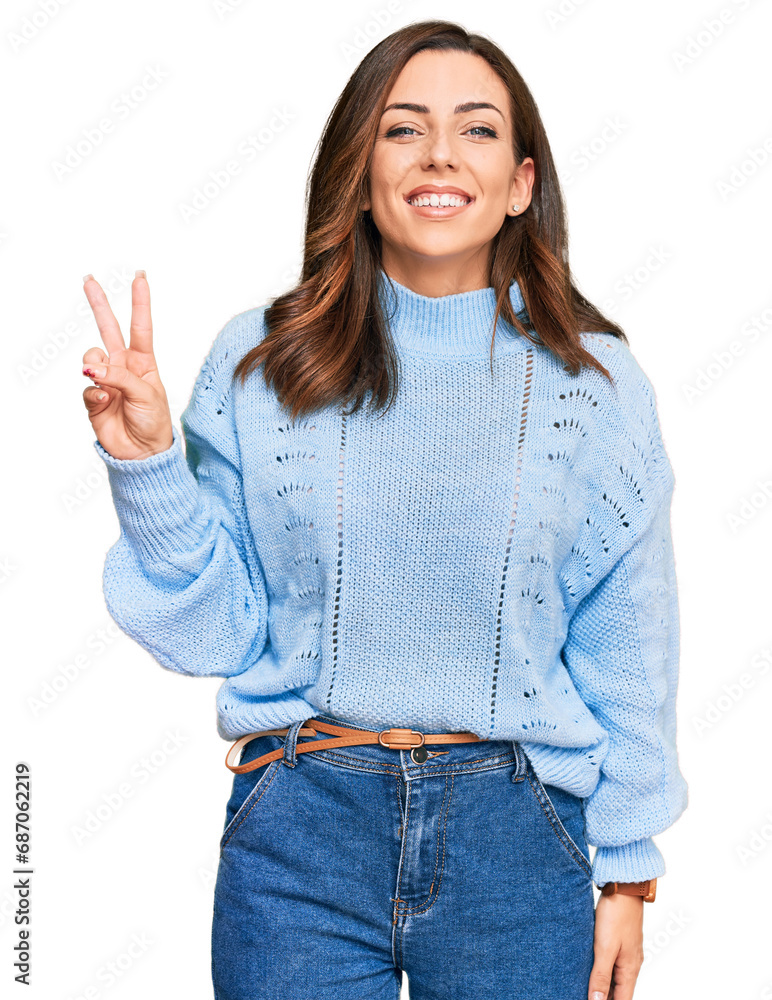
(326, 339)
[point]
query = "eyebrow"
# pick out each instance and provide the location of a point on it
(460, 109)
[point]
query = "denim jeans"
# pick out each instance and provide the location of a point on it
(341, 868)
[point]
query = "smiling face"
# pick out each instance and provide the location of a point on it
(442, 145)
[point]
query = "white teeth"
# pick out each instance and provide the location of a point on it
(438, 199)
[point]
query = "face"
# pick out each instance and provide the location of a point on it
(444, 143)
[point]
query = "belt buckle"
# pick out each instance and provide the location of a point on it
(401, 739)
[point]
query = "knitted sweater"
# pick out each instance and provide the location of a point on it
(492, 555)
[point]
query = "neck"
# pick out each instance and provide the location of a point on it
(457, 324)
(437, 276)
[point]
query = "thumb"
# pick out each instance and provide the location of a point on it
(600, 984)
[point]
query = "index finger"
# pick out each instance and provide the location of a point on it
(103, 314)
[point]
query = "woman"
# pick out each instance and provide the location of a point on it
(487, 558)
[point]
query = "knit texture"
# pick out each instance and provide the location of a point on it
(493, 554)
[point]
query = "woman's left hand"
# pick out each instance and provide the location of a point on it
(618, 947)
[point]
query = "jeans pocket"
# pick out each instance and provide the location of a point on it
(250, 788)
(565, 814)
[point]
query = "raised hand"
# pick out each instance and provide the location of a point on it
(127, 403)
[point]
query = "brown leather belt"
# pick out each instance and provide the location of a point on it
(394, 739)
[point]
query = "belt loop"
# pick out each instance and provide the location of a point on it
(290, 742)
(520, 768)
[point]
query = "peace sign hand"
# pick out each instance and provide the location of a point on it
(133, 419)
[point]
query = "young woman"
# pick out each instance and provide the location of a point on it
(482, 554)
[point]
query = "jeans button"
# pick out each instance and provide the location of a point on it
(419, 754)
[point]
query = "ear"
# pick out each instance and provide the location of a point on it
(522, 187)
(366, 203)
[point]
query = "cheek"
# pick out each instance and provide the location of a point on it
(495, 171)
(385, 198)
(385, 219)
(390, 170)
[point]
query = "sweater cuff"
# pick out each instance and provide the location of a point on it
(633, 862)
(156, 500)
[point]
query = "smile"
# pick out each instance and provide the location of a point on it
(437, 206)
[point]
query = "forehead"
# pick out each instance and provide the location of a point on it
(442, 79)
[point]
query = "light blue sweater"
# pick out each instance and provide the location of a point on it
(493, 555)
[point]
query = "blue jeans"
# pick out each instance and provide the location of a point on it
(340, 868)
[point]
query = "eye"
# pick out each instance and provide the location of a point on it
(404, 129)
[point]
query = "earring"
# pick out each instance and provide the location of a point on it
(516, 208)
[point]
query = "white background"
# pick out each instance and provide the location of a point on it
(658, 199)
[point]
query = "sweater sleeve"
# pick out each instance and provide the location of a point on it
(183, 579)
(622, 652)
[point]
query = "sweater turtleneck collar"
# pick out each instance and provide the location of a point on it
(457, 324)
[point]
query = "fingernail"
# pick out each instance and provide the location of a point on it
(597, 995)
(96, 371)
(86, 277)
(140, 274)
